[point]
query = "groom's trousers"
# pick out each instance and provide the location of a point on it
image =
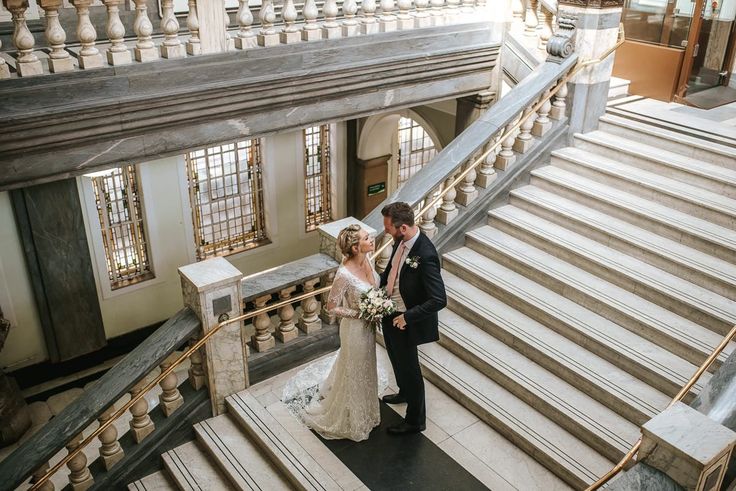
(405, 361)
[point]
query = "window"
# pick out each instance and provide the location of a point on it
(317, 206)
(118, 203)
(226, 191)
(416, 148)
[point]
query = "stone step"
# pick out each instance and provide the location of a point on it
(529, 429)
(602, 380)
(681, 227)
(695, 201)
(597, 426)
(284, 451)
(693, 302)
(673, 141)
(641, 358)
(191, 469)
(239, 458)
(664, 162)
(627, 309)
(707, 271)
(618, 88)
(158, 481)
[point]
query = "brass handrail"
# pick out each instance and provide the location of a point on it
(680, 395)
(574, 71)
(53, 470)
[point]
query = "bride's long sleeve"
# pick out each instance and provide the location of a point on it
(336, 300)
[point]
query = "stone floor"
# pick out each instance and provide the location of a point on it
(720, 120)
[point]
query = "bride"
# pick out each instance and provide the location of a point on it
(345, 403)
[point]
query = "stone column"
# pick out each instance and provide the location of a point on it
(596, 23)
(328, 235)
(212, 33)
(211, 288)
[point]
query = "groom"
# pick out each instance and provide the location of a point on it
(412, 280)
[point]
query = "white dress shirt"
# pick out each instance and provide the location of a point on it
(396, 294)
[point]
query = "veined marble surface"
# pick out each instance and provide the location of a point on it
(286, 275)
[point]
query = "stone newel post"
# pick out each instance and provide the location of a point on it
(328, 235)
(211, 289)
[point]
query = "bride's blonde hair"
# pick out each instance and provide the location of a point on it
(348, 238)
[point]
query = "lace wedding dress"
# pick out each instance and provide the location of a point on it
(338, 396)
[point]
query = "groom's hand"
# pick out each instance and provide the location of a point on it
(400, 322)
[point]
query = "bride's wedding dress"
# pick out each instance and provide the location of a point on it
(338, 396)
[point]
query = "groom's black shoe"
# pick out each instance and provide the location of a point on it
(393, 399)
(405, 428)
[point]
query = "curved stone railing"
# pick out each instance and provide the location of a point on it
(183, 35)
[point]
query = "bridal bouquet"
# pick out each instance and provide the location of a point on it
(375, 305)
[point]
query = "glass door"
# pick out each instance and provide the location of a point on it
(709, 56)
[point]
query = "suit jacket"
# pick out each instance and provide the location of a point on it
(422, 290)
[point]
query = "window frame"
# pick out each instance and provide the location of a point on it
(325, 159)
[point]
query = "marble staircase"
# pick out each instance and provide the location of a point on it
(589, 298)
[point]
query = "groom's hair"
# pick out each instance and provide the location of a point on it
(400, 214)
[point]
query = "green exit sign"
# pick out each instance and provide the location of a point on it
(378, 188)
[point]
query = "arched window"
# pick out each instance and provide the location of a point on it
(416, 149)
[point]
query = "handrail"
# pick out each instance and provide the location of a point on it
(459, 178)
(680, 395)
(53, 470)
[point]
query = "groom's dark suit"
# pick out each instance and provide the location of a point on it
(423, 293)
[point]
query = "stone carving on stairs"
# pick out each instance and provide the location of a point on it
(562, 43)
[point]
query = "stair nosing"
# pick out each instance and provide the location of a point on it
(227, 453)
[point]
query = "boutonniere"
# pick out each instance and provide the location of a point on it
(412, 262)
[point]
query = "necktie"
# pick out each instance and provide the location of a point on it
(395, 267)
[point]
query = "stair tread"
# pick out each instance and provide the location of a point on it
(626, 344)
(511, 414)
(641, 238)
(664, 133)
(675, 287)
(585, 365)
(650, 180)
(660, 155)
(285, 451)
(237, 456)
(191, 469)
(654, 211)
(153, 482)
(565, 398)
(659, 318)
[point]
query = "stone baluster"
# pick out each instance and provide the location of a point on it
(530, 19)
(349, 23)
(289, 33)
(368, 23)
(194, 46)
(141, 425)
(330, 27)
(486, 172)
(170, 397)
(383, 259)
(268, 35)
(309, 321)
(448, 209)
(404, 20)
(171, 47)
(79, 478)
(262, 340)
(40, 472)
(542, 124)
(547, 27)
(59, 59)
(426, 222)
(324, 314)
(229, 42)
(117, 53)
(452, 10)
(28, 63)
(438, 12)
(422, 17)
(467, 193)
(481, 4)
(196, 369)
(517, 9)
(286, 330)
(246, 38)
(524, 140)
(89, 55)
(387, 21)
(144, 50)
(467, 7)
(311, 30)
(110, 450)
(559, 105)
(506, 156)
